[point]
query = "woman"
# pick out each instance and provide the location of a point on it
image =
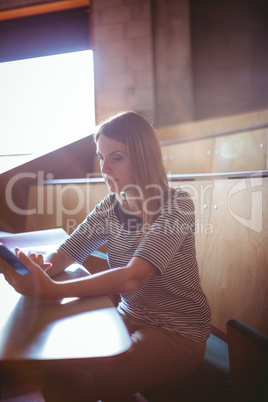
(149, 230)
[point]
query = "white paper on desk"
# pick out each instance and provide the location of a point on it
(47, 249)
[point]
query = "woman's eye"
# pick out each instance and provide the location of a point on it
(114, 158)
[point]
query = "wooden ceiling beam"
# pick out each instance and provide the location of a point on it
(42, 9)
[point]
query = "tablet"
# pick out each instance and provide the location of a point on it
(12, 260)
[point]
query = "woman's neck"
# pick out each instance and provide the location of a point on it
(132, 205)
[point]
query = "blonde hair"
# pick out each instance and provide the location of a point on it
(145, 155)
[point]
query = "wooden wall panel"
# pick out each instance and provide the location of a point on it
(230, 153)
(15, 9)
(240, 152)
(62, 205)
(213, 126)
(189, 157)
(235, 273)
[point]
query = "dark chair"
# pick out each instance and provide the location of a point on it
(210, 382)
(248, 354)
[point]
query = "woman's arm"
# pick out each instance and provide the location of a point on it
(38, 283)
(114, 281)
(60, 261)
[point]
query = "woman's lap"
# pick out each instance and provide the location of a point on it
(155, 358)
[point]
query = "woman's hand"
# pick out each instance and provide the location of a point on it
(37, 258)
(36, 283)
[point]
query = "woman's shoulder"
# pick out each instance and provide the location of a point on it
(178, 193)
(180, 200)
(107, 205)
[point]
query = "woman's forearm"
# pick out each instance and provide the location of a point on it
(115, 281)
(59, 260)
(104, 283)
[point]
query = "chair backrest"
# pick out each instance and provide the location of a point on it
(248, 355)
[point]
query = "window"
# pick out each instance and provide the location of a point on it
(45, 103)
(46, 84)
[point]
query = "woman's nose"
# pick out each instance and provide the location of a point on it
(105, 167)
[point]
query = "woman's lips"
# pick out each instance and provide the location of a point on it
(110, 181)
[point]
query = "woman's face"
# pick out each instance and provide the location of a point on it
(115, 164)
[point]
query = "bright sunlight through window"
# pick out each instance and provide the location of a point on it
(45, 103)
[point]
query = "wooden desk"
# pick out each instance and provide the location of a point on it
(35, 330)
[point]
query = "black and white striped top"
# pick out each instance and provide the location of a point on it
(173, 299)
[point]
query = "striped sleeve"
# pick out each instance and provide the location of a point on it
(91, 233)
(168, 233)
